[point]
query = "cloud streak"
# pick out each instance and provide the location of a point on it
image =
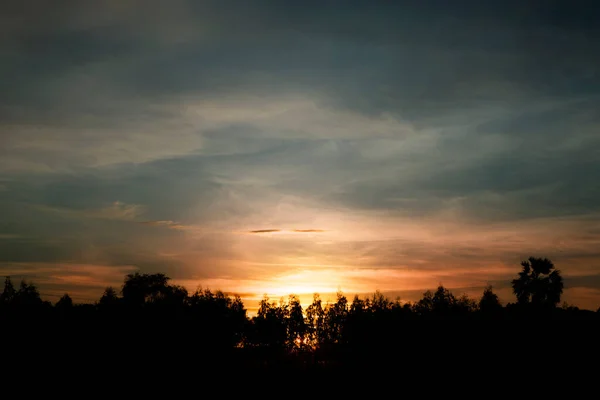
(117, 211)
(170, 225)
(259, 231)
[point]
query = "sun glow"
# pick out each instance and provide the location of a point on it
(304, 282)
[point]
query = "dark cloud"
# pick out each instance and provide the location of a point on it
(265, 231)
(417, 59)
(591, 281)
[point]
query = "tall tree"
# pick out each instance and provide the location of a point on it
(489, 302)
(9, 292)
(465, 305)
(335, 318)
(315, 316)
(109, 297)
(539, 283)
(271, 324)
(425, 304)
(28, 295)
(379, 302)
(443, 301)
(65, 302)
(296, 325)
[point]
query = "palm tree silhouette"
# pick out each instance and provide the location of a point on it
(538, 283)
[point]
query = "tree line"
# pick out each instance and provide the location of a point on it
(148, 307)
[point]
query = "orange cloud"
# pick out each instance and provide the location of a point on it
(284, 230)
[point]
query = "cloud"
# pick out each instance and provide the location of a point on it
(117, 211)
(329, 73)
(172, 225)
(464, 147)
(286, 230)
(158, 223)
(9, 236)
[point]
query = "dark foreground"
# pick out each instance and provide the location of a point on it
(155, 330)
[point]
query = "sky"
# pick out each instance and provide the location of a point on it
(300, 146)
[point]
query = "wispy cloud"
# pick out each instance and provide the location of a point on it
(171, 225)
(258, 231)
(158, 223)
(116, 211)
(10, 236)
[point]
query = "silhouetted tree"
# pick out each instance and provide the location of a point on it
(489, 302)
(315, 321)
(27, 295)
(220, 319)
(370, 323)
(109, 298)
(238, 319)
(465, 305)
(357, 328)
(425, 304)
(335, 317)
(379, 302)
(569, 307)
(443, 301)
(297, 330)
(173, 295)
(65, 302)
(339, 336)
(539, 283)
(270, 324)
(357, 307)
(237, 306)
(141, 288)
(9, 292)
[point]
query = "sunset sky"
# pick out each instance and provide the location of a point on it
(298, 146)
